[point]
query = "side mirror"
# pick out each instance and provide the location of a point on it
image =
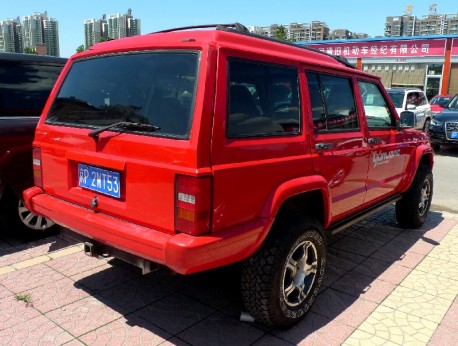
(408, 119)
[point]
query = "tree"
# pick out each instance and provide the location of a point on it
(280, 33)
(80, 48)
(28, 50)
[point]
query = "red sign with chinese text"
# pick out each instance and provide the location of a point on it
(455, 47)
(379, 49)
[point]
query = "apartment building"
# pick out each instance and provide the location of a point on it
(11, 36)
(431, 24)
(39, 29)
(113, 26)
(295, 32)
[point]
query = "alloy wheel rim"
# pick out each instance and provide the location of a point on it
(300, 273)
(32, 220)
(425, 195)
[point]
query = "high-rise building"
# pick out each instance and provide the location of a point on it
(301, 32)
(113, 26)
(39, 29)
(10, 36)
(93, 31)
(430, 24)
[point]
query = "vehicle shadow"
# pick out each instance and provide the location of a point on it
(16, 247)
(365, 264)
(447, 151)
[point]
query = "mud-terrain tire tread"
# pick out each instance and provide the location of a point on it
(407, 211)
(261, 273)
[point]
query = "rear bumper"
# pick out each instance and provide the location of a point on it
(182, 253)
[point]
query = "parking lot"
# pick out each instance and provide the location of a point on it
(383, 286)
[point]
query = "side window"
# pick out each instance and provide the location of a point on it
(412, 99)
(375, 107)
(422, 99)
(263, 100)
(332, 102)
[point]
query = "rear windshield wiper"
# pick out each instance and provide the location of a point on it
(126, 125)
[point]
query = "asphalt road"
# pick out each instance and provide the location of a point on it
(445, 197)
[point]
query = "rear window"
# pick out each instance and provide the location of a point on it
(25, 86)
(154, 88)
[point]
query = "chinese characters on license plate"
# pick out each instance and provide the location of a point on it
(454, 135)
(100, 180)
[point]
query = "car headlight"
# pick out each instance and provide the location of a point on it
(435, 122)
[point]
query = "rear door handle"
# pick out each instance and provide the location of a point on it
(323, 146)
(374, 140)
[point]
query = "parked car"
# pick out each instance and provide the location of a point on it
(438, 103)
(413, 100)
(25, 83)
(444, 126)
(196, 148)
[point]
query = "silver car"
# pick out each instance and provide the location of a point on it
(413, 100)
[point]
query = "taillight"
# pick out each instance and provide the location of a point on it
(36, 163)
(193, 204)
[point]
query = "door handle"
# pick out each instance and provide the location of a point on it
(323, 146)
(374, 140)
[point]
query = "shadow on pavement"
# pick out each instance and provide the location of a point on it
(365, 263)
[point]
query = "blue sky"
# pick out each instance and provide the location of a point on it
(354, 15)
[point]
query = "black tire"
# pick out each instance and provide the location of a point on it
(269, 291)
(426, 125)
(16, 219)
(413, 208)
(436, 147)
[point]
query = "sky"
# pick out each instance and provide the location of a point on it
(355, 15)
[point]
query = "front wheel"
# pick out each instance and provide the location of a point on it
(413, 208)
(281, 281)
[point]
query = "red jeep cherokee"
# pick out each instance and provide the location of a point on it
(199, 148)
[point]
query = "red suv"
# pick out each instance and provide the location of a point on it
(196, 149)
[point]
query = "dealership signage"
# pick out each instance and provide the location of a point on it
(455, 47)
(378, 49)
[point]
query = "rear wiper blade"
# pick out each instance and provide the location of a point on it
(123, 125)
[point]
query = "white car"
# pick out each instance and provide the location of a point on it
(413, 100)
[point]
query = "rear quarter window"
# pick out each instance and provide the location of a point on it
(263, 100)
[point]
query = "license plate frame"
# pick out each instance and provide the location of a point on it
(454, 135)
(100, 180)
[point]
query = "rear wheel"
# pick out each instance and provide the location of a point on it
(17, 219)
(281, 281)
(413, 208)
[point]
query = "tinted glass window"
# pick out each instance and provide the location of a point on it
(25, 86)
(375, 106)
(332, 102)
(397, 97)
(149, 88)
(263, 100)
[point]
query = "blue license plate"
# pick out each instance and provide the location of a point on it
(454, 135)
(100, 180)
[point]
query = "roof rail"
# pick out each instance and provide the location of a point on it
(235, 27)
(243, 30)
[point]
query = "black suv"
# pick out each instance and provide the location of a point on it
(25, 83)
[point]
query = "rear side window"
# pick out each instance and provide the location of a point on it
(25, 86)
(332, 103)
(263, 100)
(147, 88)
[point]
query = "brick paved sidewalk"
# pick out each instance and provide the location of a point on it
(383, 286)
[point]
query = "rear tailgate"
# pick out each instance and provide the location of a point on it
(118, 132)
